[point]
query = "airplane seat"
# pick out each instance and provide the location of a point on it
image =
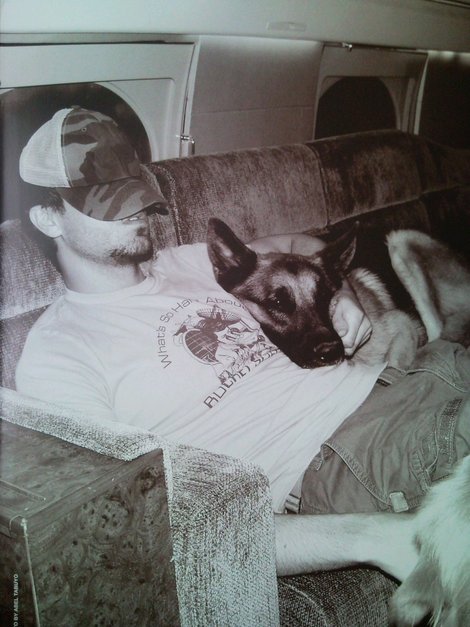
(220, 512)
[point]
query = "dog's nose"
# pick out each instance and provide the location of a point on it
(328, 353)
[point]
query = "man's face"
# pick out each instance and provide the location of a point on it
(118, 242)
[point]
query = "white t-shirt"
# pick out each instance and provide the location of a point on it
(179, 356)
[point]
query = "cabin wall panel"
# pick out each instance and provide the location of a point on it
(251, 92)
(234, 130)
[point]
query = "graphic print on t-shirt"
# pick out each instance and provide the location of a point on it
(222, 339)
(216, 335)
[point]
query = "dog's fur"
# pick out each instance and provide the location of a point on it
(439, 586)
(292, 298)
(438, 281)
(278, 290)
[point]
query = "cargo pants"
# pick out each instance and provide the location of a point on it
(409, 433)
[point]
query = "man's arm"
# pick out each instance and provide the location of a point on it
(349, 319)
(62, 371)
(295, 243)
(309, 542)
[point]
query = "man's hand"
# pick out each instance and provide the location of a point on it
(350, 321)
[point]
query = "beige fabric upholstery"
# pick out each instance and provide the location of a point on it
(257, 192)
(28, 280)
(364, 172)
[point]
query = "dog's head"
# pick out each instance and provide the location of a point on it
(289, 295)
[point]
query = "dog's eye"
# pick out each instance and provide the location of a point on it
(282, 301)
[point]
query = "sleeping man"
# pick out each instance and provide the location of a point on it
(153, 341)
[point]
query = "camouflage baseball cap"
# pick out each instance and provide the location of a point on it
(90, 162)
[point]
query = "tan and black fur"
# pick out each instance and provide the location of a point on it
(437, 279)
(291, 296)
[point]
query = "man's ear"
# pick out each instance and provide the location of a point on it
(231, 259)
(45, 220)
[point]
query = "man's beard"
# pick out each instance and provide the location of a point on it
(133, 255)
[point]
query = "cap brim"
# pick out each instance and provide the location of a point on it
(116, 200)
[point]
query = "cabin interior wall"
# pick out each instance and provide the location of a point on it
(253, 92)
(398, 23)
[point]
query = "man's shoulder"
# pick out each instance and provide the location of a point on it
(184, 251)
(187, 255)
(41, 340)
(50, 316)
(50, 324)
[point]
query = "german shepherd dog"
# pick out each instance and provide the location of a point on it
(292, 297)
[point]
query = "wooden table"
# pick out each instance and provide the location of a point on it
(84, 538)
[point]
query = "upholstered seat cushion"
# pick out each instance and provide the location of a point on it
(356, 597)
(29, 280)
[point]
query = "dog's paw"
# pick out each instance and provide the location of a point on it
(422, 600)
(419, 597)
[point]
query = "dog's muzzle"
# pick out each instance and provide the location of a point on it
(328, 353)
(312, 350)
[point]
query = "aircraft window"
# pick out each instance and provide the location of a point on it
(446, 100)
(354, 104)
(23, 110)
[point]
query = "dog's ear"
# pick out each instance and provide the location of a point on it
(231, 260)
(338, 254)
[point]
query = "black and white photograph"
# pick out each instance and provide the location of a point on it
(235, 313)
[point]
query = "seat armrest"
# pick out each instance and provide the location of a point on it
(220, 510)
(223, 540)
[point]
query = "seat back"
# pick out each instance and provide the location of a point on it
(258, 192)
(29, 283)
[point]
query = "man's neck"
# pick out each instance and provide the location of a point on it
(94, 278)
